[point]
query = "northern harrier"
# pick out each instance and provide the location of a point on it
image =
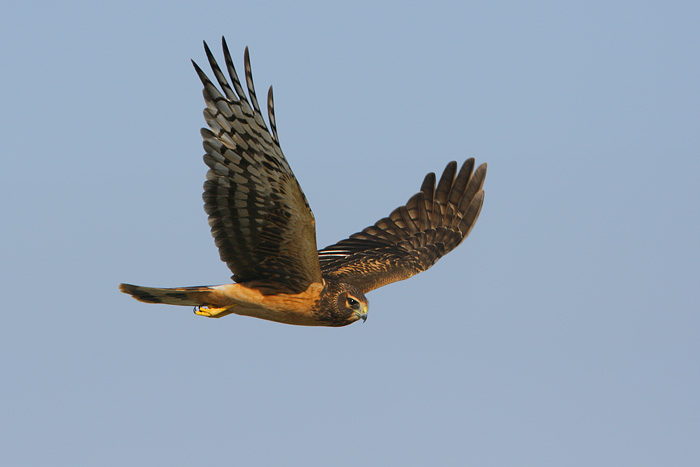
(265, 230)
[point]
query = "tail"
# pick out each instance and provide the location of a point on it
(185, 296)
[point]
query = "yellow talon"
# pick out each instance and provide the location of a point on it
(211, 312)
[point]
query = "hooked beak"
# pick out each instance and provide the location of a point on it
(363, 315)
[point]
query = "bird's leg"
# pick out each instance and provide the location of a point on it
(211, 312)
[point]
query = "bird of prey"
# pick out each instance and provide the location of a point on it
(265, 230)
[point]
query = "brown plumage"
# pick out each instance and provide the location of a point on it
(265, 231)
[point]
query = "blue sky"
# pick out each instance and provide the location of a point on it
(564, 331)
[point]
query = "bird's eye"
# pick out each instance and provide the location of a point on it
(353, 303)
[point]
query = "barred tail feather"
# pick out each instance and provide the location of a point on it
(185, 296)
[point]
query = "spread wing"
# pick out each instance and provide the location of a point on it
(431, 224)
(259, 216)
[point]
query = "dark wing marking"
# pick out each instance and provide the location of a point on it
(259, 216)
(431, 224)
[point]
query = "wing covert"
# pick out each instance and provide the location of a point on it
(413, 237)
(259, 217)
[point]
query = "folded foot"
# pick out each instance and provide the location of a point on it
(212, 312)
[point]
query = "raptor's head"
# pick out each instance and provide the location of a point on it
(343, 303)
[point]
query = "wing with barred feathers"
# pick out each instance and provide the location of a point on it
(259, 216)
(431, 224)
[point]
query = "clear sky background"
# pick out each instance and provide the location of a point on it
(563, 332)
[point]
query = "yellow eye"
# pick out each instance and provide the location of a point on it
(353, 303)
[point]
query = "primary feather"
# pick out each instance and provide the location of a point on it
(414, 236)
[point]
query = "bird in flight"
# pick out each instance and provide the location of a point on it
(265, 231)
